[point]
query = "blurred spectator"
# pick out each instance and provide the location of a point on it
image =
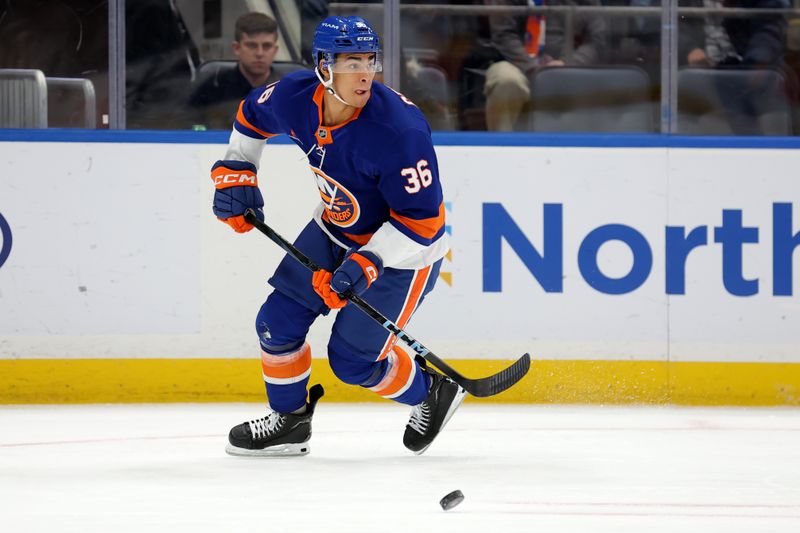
(793, 66)
(636, 40)
(161, 60)
(425, 84)
(758, 40)
(214, 100)
(717, 44)
(702, 41)
(512, 47)
(62, 38)
(755, 42)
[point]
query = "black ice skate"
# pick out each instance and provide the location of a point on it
(429, 417)
(276, 433)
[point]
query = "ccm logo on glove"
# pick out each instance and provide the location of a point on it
(222, 181)
(372, 273)
(236, 191)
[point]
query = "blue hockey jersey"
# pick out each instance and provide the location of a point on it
(377, 173)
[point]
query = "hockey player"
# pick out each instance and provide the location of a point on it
(378, 232)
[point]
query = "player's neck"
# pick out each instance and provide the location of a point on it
(334, 112)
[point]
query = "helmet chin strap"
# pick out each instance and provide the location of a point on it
(329, 85)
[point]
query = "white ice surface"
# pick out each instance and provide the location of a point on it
(154, 468)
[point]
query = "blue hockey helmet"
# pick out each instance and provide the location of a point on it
(338, 35)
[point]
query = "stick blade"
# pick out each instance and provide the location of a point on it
(501, 381)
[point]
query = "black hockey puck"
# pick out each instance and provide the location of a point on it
(451, 500)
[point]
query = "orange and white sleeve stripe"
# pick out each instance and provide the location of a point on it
(243, 125)
(398, 241)
(287, 368)
(422, 230)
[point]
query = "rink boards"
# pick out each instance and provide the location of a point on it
(632, 273)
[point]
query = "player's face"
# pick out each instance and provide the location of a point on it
(256, 52)
(353, 75)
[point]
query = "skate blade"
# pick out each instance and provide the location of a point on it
(281, 450)
(460, 395)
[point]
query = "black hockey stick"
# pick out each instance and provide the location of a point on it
(481, 387)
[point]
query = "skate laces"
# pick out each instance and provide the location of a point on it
(264, 427)
(420, 418)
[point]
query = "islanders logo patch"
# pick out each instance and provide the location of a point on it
(341, 206)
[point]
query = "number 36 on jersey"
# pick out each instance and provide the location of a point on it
(418, 177)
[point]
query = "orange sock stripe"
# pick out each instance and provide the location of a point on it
(399, 377)
(412, 301)
(288, 368)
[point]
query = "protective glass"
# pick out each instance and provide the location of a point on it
(357, 63)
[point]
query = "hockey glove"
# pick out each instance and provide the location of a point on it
(237, 190)
(357, 273)
(321, 281)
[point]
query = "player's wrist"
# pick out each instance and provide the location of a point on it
(370, 263)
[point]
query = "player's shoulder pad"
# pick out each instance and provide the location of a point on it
(291, 85)
(393, 109)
